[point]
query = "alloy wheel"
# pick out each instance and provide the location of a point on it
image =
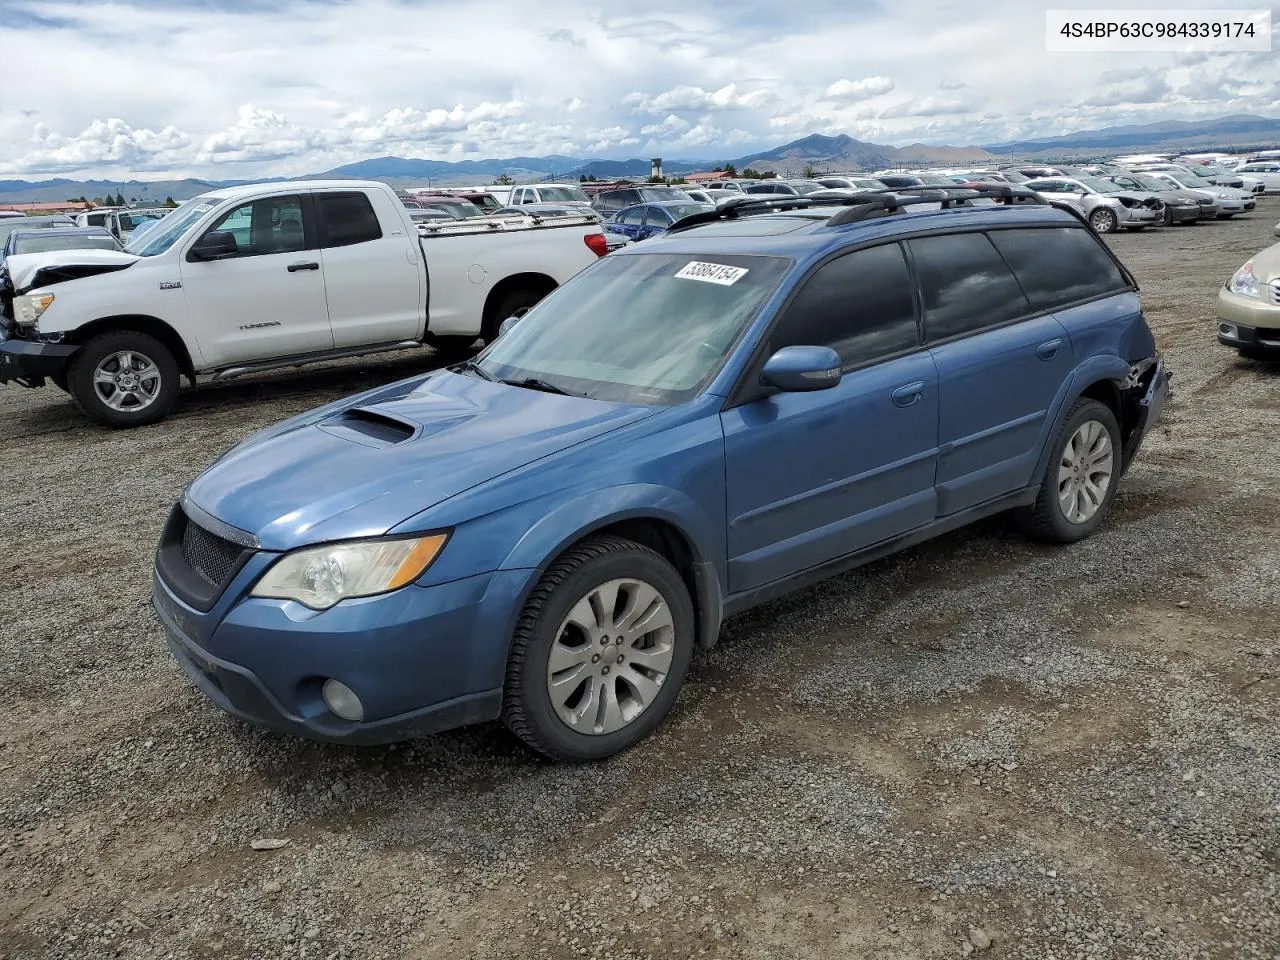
(127, 380)
(1085, 471)
(611, 656)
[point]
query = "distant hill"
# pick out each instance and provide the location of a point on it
(517, 168)
(1243, 131)
(146, 191)
(843, 152)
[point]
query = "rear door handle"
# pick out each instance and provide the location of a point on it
(1048, 350)
(305, 265)
(909, 393)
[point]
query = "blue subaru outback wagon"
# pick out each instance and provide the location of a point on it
(686, 429)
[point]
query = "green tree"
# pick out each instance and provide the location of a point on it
(657, 180)
(729, 170)
(808, 172)
(170, 202)
(751, 173)
(677, 180)
(504, 180)
(119, 200)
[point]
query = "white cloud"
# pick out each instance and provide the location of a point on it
(852, 90)
(240, 88)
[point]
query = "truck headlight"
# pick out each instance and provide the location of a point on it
(321, 576)
(1244, 283)
(28, 307)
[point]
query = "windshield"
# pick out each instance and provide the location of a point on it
(1151, 183)
(562, 194)
(75, 242)
(804, 187)
(1098, 185)
(662, 193)
(460, 209)
(169, 230)
(671, 321)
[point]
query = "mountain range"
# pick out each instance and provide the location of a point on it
(842, 152)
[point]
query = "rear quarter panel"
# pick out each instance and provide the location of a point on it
(463, 269)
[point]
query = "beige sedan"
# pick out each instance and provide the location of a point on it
(1249, 305)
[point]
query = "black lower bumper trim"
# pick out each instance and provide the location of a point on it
(29, 361)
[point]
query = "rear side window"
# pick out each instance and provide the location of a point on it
(964, 284)
(1057, 266)
(345, 218)
(860, 305)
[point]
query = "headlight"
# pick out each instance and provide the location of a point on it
(1222, 196)
(321, 576)
(27, 308)
(1243, 282)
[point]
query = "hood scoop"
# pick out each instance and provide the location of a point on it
(370, 427)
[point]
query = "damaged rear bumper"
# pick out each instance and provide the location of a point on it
(1146, 391)
(29, 362)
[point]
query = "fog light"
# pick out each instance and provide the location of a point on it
(1229, 330)
(342, 700)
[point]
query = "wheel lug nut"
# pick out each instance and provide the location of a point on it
(596, 658)
(605, 670)
(620, 658)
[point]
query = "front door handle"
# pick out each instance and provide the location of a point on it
(305, 265)
(1048, 350)
(908, 393)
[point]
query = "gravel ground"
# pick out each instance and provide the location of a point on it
(981, 745)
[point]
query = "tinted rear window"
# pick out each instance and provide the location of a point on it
(965, 284)
(346, 218)
(1059, 265)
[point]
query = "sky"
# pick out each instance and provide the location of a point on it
(241, 88)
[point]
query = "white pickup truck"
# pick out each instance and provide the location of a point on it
(269, 276)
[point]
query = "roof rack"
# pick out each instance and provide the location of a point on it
(864, 205)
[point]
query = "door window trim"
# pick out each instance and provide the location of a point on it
(310, 235)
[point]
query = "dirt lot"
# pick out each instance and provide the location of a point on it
(1067, 752)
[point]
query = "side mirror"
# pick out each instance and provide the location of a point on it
(507, 324)
(214, 245)
(800, 369)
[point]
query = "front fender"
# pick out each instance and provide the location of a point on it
(1088, 373)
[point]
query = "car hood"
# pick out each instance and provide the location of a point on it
(28, 270)
(362, 467)
(1266, 263)
(1141, 196)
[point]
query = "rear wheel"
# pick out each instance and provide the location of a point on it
(1081, 476)
(124, 379)
(1103, 220)
(514, 304)
(600, 651)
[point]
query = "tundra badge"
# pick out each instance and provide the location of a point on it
(170, 284)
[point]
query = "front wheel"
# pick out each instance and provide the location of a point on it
(124, 379)
(600, 651)
(1103, 220)
(1081, 475)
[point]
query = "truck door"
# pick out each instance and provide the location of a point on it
(267, 298)
(373, 270)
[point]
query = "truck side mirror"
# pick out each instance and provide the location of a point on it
(214, 245)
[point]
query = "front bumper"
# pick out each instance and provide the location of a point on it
(421, 659)
(1147, 392)
(1248, 323)
(29, 362)
(1179, 214)
(1141, 216)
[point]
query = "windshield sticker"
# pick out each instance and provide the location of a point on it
(720, 273)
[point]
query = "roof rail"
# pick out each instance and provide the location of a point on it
(867, 204)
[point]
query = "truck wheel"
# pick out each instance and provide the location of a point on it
(514, 304)
(124, 379)
(600, 651)
(1081, 475)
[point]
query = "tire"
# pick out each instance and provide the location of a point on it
(155, 385)
(514, 304)
(599, 568)
(1167, 219)
(1047, 518)
(60, 380)
(453, 348)
(1104, 220)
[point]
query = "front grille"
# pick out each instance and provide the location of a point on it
(212, 557)
(1275, 291)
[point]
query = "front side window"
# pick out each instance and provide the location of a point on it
(346, 218)
(1057, 266)
(260, 227)
(634, 217)
(673, 319)
(964, 284)
(860, 305)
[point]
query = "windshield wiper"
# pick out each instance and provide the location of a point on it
(533, 383)
(475, 368)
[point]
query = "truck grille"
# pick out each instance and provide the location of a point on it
(1275, 291)
(213, 558)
